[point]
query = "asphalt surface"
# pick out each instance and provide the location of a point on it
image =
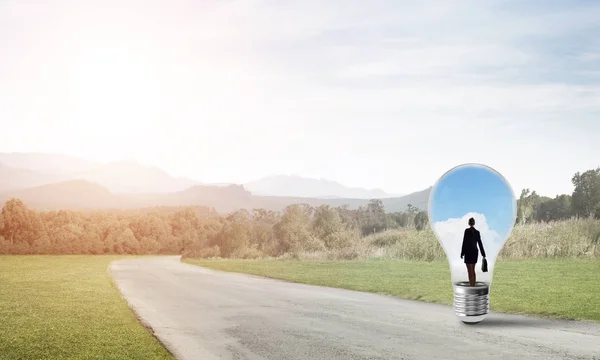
(204, 314)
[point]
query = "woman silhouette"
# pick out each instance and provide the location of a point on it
(469, 249)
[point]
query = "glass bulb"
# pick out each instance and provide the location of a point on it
(480, 193)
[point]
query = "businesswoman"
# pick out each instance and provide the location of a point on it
(471, 239)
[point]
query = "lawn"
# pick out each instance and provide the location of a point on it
(66, 307)
(564, 288)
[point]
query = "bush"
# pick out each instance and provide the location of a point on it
(204, 253)
(407, 245)
(342, 239)
(246, 253)
(575, 238)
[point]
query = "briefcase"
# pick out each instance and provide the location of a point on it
(484, 265)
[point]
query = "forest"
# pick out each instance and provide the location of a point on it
(566, 225)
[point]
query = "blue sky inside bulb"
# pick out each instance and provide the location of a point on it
(476, 191)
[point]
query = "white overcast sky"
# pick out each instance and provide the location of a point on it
(387, 94)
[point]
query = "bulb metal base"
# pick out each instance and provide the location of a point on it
(471, 303)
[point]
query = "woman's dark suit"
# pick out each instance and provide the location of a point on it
(469, 246)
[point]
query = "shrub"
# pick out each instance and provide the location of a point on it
(342, 239)
(575, 238)
(246, 253)
(204, 253)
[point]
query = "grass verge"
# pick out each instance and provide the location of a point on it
(66, 307)
(565, 288)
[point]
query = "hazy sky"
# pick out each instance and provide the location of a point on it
(384, 94)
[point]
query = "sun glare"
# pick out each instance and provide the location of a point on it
(115, 84)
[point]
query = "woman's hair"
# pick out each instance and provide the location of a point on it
(471, 222)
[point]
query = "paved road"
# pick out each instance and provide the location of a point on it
(204, 314)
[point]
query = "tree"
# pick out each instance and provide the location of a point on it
(293, 230)
(329, 227)
(186, 228)
(411, 213)
(402, 219)
(412, 210)
(130, 244)
(372, 218)
(586, 196)
(421, 220)
(326, 221)
(235, 234)
(375, 208)
(350, 217)
(555, 209)
(20, 225)
(527, 206)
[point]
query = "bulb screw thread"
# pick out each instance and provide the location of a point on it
(471, 300)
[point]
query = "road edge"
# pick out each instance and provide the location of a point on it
(172, 352)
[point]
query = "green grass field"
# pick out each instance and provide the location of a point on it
(564, 288)
(66, 307)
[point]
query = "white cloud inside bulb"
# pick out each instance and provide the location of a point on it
(450, 234)
(451, 231)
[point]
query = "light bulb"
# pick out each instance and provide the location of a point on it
(472, 191)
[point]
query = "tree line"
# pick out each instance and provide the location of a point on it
(583, 202)
(198, 231)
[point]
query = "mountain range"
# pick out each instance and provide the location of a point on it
(54, 181)
(21, 170)
(297, 186)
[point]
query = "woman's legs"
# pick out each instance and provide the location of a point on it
(471, 271)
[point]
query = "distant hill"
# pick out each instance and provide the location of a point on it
(133, 177)
(419, 199)
(54, 181)
(223, 199)
(23, 170)
(297, 186)
(85, 195)
(34, 169)
(12, 178)
(71, 195)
